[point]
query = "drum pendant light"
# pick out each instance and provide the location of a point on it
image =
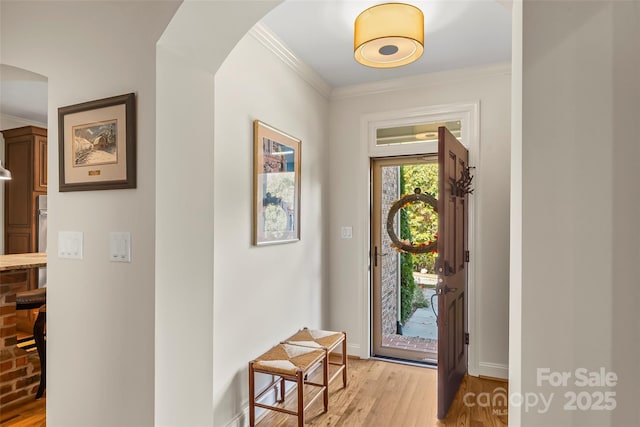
(389, 35)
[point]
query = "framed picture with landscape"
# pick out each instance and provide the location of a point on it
(97, 144)
(276, 186)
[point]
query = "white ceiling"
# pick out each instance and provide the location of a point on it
(458, 34)
(23, 94)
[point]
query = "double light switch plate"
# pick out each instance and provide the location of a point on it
(120, 246)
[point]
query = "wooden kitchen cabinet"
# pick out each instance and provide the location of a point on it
(25, 156)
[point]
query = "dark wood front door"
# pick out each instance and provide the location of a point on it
(451, 268)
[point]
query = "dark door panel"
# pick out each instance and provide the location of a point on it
(451, 267)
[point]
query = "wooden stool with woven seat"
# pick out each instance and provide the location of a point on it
(287, 362)
(328, 341)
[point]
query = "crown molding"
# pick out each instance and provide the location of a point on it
(421, 81)
(268, 39)
(23, 121)
(264, 35)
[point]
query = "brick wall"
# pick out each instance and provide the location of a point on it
(390, 272)
(19, 370)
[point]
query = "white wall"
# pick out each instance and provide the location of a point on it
(263, 294)
(350, 201)
(100, 343)
(580, 204)
(184, 270)
(515, 244)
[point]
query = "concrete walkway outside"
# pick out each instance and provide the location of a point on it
(420, 331)
(422, 322)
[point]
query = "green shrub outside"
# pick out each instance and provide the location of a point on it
(419, 223)
(419, 300)
(407, 283)
(423, 220)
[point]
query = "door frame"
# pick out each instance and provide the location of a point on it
(376, 299)
(468, 113)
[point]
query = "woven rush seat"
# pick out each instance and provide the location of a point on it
(316, 338)
(327, 340)
(288, 362)
(287, 359)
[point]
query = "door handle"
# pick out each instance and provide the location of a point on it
(443, 290)
(376, 255)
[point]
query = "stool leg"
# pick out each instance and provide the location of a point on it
(344, 360)
(41, 346)
(252, 396)
(282, 389)
(325, 381)
(300, 399)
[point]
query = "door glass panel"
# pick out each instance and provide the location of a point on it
(404, 282)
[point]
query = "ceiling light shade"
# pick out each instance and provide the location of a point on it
(4, 173)
(389, 35)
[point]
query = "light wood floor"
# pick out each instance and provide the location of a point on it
(379, 394)
(386, 394)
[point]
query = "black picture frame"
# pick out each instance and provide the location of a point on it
(97, 144)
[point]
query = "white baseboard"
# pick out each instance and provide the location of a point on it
(496, 370)
(242, 419)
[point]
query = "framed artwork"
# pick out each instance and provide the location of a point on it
(97, 144)
(276, 186)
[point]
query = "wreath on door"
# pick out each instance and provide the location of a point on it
(405, 245)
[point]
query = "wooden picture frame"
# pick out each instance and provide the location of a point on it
(97, 144)
(276, 186)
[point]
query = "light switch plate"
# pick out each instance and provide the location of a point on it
(347, 232)
(120, 246)
(70, 244)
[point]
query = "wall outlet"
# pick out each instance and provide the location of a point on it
(347, 232)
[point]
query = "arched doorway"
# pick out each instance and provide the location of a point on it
(189, 53)
(190, 87)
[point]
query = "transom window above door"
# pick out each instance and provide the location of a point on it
(415, 131)
(411, 134)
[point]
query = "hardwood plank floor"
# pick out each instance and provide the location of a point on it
(386, 394)
(32, 414)
(379, 394)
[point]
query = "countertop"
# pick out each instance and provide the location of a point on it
(22, 261)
